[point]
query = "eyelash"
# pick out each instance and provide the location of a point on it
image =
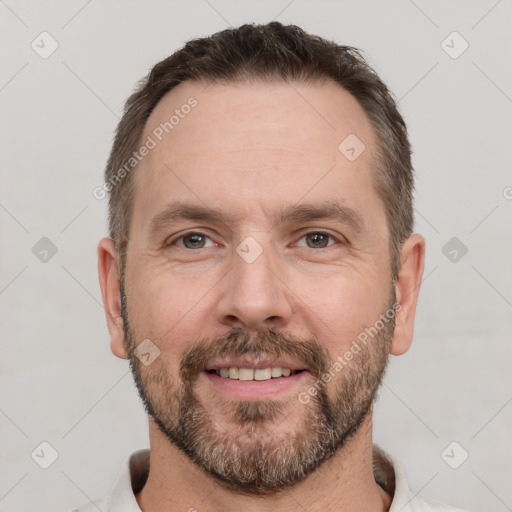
(174, 240)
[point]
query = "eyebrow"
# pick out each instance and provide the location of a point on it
(177, 211)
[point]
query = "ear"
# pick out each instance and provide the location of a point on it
(111, 293)
(407, 289)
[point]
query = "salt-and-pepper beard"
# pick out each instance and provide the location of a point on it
(249, 457)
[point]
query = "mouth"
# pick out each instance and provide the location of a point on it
(242, 373)
(249, 379)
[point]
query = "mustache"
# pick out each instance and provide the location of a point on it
(236, 343)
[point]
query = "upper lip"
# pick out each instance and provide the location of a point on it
(254, 363)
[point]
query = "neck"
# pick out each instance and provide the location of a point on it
(344, 482)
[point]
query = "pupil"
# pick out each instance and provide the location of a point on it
(195, 240)
(318, 237)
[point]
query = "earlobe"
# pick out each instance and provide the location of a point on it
(111, 294)
(407, 290)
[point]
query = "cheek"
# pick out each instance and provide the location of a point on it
(160, 296)
(168, 311)
(345, 298)
(343, 308)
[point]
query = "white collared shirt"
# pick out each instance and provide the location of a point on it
(388, 475)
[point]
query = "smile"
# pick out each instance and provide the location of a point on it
(237, 373)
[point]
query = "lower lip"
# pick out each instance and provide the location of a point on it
(254, 389)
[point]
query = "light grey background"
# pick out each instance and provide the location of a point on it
(60, 383)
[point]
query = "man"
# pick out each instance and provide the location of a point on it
(260, 269)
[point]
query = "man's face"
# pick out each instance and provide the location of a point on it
(264, 286)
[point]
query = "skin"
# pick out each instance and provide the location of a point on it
(250, 149)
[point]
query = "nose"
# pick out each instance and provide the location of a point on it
(254, 295)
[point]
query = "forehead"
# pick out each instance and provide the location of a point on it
(299, 116)
(227, 145)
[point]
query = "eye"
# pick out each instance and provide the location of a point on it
(197, 240)
(192, 240)
(317, 239)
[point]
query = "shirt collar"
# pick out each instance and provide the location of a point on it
(131, 480)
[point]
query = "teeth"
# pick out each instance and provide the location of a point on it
(277, 371)
(253, 374)
(246, 374)
(263, 374)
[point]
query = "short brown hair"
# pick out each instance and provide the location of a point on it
(271, 53)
